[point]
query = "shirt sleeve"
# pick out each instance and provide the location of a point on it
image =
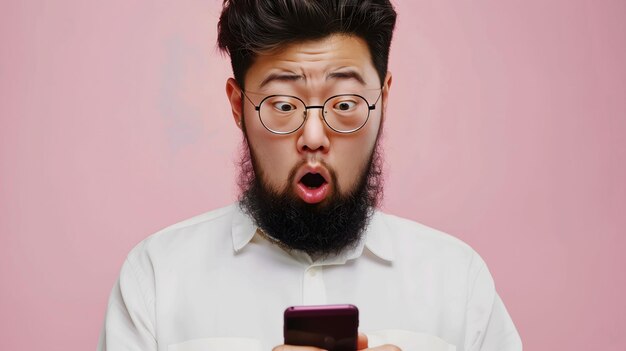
(130, 317)
(488, 324)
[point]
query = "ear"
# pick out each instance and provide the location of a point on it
(233, 93)
(386, 87)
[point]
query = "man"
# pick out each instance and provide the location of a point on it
(309, 93)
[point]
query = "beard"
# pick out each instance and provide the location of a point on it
(321, 229)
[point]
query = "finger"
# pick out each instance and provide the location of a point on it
(296, 348)
(361, 342)
(386, 347)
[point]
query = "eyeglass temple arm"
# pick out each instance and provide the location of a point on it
(256, 107)
(373, 106)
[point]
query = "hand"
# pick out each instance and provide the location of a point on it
(361, 345)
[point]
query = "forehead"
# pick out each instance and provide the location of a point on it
(332, 60)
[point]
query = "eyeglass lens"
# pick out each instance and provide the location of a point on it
(285, 114)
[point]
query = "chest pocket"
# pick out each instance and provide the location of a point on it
(221, 344)
(408, 340)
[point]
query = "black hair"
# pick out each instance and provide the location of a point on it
(249, 27)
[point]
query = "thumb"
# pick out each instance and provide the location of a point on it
(361, 342)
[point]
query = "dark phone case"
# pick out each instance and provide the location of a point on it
(331, 327)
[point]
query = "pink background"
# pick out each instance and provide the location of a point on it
(506, 128)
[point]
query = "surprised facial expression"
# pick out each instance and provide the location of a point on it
(317, 159)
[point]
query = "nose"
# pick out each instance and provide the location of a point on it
(314, 134)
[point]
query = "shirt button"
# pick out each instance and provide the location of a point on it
(312, 272)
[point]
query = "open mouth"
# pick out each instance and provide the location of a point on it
(312, 180)
(314, 184)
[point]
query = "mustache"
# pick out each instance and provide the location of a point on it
(312, 159)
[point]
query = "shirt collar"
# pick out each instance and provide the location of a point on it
(377, 238)
(243, 228)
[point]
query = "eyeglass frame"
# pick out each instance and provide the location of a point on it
(306, 108)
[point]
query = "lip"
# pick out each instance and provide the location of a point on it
(315, 169)
(312, 196)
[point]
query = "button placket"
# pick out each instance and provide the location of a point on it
(313, 287)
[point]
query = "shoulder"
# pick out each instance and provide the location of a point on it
(187, 237)
(414, 241)
(420, 235)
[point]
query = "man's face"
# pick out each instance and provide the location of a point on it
(313, 189)
(312, 71)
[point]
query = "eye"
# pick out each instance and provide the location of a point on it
(284, 106)
(345, 105)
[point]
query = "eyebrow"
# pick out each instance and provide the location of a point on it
(286, 77)
(347, 75)
(281, 77)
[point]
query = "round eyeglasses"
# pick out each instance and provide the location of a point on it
(343, 113)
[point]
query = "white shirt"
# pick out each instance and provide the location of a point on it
(213, 283)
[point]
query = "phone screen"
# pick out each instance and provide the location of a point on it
(331, 327)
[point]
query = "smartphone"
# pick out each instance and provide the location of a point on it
(330, 327)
